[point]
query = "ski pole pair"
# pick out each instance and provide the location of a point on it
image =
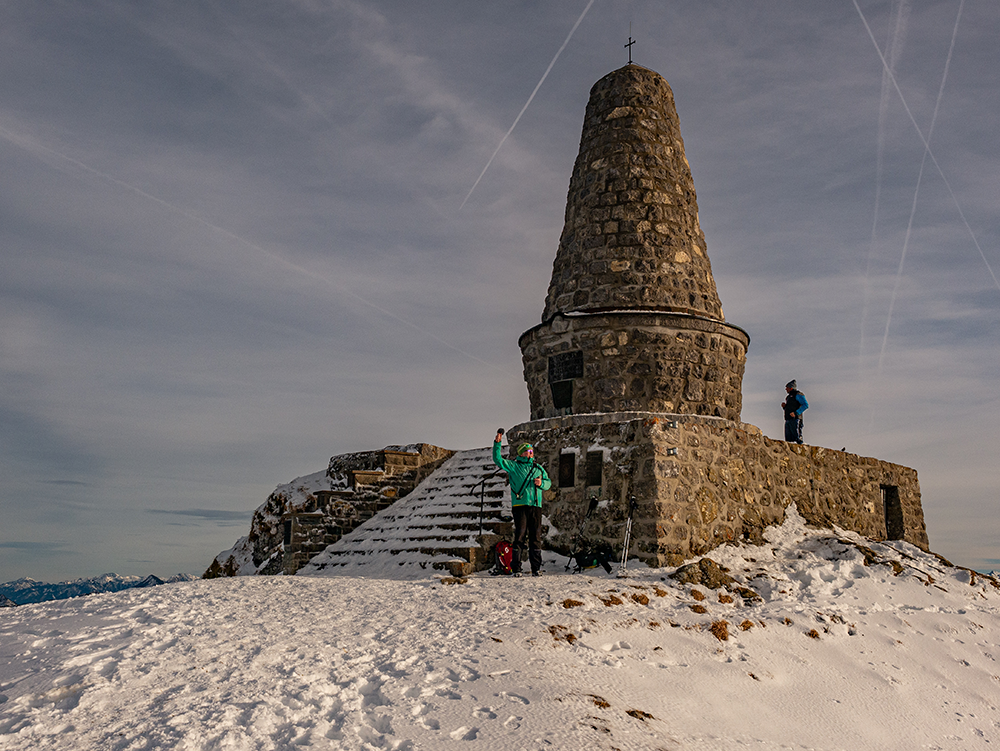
(633, 504)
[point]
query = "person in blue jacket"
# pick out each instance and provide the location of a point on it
(794, 405)
(527, 481)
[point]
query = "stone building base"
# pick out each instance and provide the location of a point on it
(701, 482)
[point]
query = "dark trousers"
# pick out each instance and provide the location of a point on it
(793, 430)
(527, 536)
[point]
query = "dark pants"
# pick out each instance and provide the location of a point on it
(527, 536)
(793, 430)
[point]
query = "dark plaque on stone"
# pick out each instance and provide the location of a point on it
(566, 366)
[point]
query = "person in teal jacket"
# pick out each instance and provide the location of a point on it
(527, 481)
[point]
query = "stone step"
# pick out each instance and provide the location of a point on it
(439, 519)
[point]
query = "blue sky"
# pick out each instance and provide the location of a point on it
(233, 242)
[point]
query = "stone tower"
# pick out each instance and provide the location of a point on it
(635, 378)
(632, 319)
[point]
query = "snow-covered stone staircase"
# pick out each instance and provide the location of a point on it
(436, 526)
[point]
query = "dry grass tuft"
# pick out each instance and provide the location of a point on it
(610, 600)
(454, 580)
(561, 633)
(725, 599)
(698, 594)
(599, 728)
(813, 633)
(639, 714)
(640, 598)
(746, 625)
(699, 608)
(749, 596)
(568, 603)
(660, 592)
(720, 630)
(600, 701)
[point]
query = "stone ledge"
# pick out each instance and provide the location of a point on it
(604, 418)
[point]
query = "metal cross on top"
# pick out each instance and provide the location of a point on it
(629, 48)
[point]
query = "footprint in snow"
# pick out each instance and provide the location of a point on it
(614, 647)
(464, 734)
(484, 713)
(513, 697)
(380, 723)
(470, 674)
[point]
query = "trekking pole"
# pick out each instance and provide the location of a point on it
(579, 532)
(632, 506)
(482, 497)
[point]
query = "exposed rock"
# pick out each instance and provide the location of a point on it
(705, 572)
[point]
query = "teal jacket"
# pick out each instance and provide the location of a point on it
(522, 471)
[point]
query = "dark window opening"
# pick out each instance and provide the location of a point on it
(595, 468)
(288, 531)
(562, 395)
(567, 470)
(894, 527)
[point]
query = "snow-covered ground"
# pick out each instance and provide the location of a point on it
(900, 652)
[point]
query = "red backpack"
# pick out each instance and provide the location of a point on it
(503, 554)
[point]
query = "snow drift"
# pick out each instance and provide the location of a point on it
(848, 644)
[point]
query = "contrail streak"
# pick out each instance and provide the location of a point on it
(894, 45)
(537, 87)
(32, 146)
(927, 147)
(916, 192)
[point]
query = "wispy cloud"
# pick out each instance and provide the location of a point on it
(219, 515)
(232, 248)
(36, 547)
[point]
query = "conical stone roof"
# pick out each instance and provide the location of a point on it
(631, 240)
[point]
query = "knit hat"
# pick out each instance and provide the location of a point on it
(791, 384)
(523, 447)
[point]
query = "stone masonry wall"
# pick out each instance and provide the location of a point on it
(657, 362)
(631, 236)
(702, 482)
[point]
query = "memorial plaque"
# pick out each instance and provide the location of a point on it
(566, 366)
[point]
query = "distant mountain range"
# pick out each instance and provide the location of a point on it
(25, 591)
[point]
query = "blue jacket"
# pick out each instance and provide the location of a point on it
(521, 472)
(795, 405)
